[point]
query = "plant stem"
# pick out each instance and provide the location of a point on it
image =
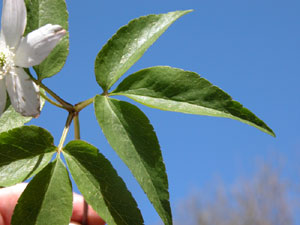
(65, 132)
(50, 100)
(64, 104)
(79, 106)
(77, 137)
(76, 126)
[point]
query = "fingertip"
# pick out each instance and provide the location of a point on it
(93, 217)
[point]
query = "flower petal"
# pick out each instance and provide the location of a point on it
(37, 45)
(23, 93)
(13, 21)
(2, 95)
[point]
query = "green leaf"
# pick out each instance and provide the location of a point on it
(10, 119)
(100, 184)
(24, 152)
(177, 90)
(42, 12)
(47, 199)
(129, 44)
(131, 135)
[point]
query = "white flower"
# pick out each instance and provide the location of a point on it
(18, 52)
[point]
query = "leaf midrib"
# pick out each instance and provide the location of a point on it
(44, 197)
(31, 156)
(215, 113)
(78, 164)
(153, 186)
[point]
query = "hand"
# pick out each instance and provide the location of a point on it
(9, 197)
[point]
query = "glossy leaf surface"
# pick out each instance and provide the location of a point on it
(24, 152)
(177, 90)
(100, 184)
(129, 44)
(42, 12)
(131, 135)
(47, 199)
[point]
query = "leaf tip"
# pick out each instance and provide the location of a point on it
(189, 10)
(271, 132)
(184, 12)
(266, 130)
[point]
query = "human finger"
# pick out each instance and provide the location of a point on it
(92, 218)
(9, 197)
(8, 200)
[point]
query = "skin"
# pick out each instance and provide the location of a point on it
(9, 197)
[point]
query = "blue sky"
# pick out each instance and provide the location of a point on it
(250, 49)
